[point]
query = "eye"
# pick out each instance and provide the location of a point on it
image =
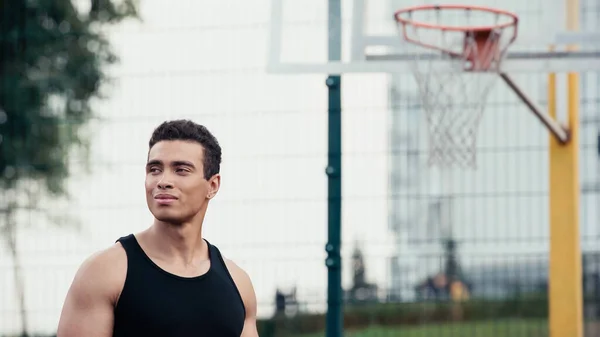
(182, 170)
(154, 170)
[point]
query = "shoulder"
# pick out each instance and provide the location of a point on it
(237, 273)
(244, 284)
(89, 304)
(103, 273)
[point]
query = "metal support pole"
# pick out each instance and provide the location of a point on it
(561, 134)
(565, 269)
(334, 323)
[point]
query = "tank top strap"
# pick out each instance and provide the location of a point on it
(131, 246)
(220, 268)
(216, 259)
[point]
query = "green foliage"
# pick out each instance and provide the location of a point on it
(522, 307)
(496, 328)
(54, 60)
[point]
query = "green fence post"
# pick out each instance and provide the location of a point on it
(334, 324)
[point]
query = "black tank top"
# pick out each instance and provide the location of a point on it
(154, 302)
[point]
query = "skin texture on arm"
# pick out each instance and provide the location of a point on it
(246, 289)
(89, 306)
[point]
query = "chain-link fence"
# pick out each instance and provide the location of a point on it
(404, 263)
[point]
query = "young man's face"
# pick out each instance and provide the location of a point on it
(176, 190)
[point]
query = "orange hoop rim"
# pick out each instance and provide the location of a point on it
(404, 21)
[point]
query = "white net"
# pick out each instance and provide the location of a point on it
(455, 71)
(453, 103)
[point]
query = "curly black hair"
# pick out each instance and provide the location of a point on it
(187, 130)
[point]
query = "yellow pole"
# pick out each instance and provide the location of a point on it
(565, 277)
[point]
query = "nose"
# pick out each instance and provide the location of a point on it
(164, 185)
(164, 182)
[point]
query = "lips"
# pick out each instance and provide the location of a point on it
(165, 197)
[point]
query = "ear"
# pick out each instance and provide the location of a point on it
(214, 183)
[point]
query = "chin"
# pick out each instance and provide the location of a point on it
(169, 217)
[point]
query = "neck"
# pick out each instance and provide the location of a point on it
(182, 242)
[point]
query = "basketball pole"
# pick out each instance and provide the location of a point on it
(565, 271)
(334, 318)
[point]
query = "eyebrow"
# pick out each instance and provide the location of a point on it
(174, 163)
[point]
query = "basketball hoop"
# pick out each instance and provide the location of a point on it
(455, 90)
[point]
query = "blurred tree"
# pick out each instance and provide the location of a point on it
(53, 61)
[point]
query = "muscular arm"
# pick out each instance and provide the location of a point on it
(246, 289)
(88, 308)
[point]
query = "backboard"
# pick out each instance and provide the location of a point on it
(299, 35)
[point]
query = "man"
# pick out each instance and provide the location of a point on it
(166, 280)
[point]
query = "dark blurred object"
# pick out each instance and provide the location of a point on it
(362, 291)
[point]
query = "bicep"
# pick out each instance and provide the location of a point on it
(85, 314)
(246, 289)
(89, 306)
(250, 328)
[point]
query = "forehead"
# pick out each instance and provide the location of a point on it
(173, 150)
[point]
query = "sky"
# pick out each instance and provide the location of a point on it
(206, 60)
